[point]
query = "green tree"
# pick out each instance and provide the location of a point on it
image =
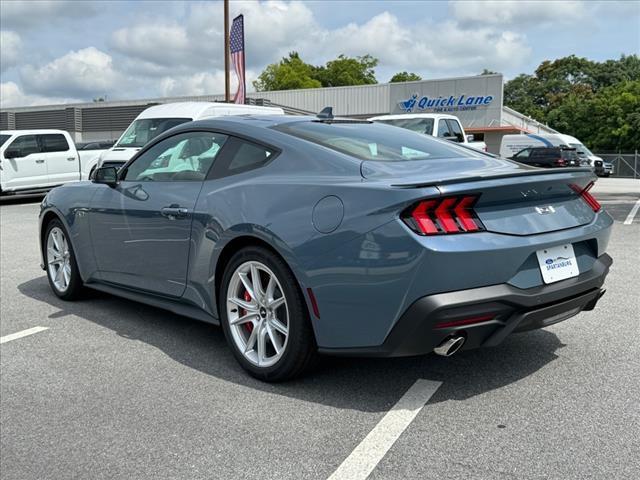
(345, 71)
(405, 77)
(486, 71)
(290, 73)
(594, 101)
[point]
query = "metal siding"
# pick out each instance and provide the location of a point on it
(47, 119)
(100, 119)
(357, 100)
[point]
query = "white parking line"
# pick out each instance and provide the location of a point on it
(632, 213)
(377, 443)
(23, 333)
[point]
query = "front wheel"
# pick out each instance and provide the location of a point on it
(62, 269)
(264, 316)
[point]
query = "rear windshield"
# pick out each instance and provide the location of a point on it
(418, 125)
(4, 138)
(143, 130)
(374, 141)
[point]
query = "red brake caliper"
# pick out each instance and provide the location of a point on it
(248, 325)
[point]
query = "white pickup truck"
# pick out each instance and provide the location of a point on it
(34, 161)
(435, 124)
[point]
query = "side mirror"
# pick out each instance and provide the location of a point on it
(471, 137)
(12, 153)
(106, 175)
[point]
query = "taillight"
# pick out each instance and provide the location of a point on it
(444, 216)
(561, 162)
(587, 197)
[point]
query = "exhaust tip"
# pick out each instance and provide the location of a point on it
(450, 345)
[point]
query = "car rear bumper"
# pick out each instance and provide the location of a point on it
(486, 315)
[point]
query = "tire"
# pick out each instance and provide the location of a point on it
(254, 333)
(60, 262)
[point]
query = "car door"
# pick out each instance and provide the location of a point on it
(23, 165)
(61, 160)
(141, 228)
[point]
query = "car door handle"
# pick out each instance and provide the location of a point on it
(39, 161)
(71, 159)
(173, 212)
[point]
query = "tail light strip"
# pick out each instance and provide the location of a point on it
(444, 216)
(587, 197)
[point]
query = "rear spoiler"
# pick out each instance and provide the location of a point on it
(568, 172)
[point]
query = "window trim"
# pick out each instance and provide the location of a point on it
(40, 138)
(34, 135)
(163, 136)
(123, 170)
(220, 168)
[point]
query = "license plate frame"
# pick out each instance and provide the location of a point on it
(557, 263)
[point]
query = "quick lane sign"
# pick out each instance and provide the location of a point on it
(452, 103)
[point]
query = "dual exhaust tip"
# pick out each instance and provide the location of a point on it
(450, 345)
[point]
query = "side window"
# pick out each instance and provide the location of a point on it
(443, 129)
(523, 153)
(26, 145)
(54, 143)
(456, 131)
(248, 156)
(183, 157)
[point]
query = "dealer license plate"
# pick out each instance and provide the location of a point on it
(557, 263)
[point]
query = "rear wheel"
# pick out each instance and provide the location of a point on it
(264, 316)
(62, 269)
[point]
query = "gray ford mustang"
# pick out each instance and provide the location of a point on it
(305, 235)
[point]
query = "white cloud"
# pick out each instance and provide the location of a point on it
(78, 73)
(11, 95)
(517, 12)
(19, 14)
(10, 49)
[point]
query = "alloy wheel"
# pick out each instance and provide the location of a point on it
(258, 314)
(58, 259)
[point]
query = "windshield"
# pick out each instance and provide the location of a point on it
(4, 138)
(419, 125)
(143, 130)
(581, 149)
(374, 141)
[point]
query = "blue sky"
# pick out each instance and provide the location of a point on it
(60, 51)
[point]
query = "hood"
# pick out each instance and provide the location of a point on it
(119, 154)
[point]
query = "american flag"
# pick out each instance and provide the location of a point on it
(236, 46)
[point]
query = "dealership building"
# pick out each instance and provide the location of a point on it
(477, 101)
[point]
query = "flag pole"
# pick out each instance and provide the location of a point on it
(226, 51)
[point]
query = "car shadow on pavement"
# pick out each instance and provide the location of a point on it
(371, 385)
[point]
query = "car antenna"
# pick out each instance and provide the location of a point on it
(326, 113)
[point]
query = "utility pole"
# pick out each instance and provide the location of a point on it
(226, 52)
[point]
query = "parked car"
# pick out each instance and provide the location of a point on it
(305, 235)
(511, 144)
(548, 157)
(608, 169)
(158, 119)
(434, 124)
(34, 161)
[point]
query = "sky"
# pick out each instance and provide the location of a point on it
(72, 51)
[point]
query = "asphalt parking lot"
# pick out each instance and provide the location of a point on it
(115, 389)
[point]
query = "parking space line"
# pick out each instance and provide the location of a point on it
(377, 443)
(632, 213)
(23, 333)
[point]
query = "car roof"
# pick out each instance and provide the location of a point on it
(33, 131)
(401, 116)
(196, 110)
